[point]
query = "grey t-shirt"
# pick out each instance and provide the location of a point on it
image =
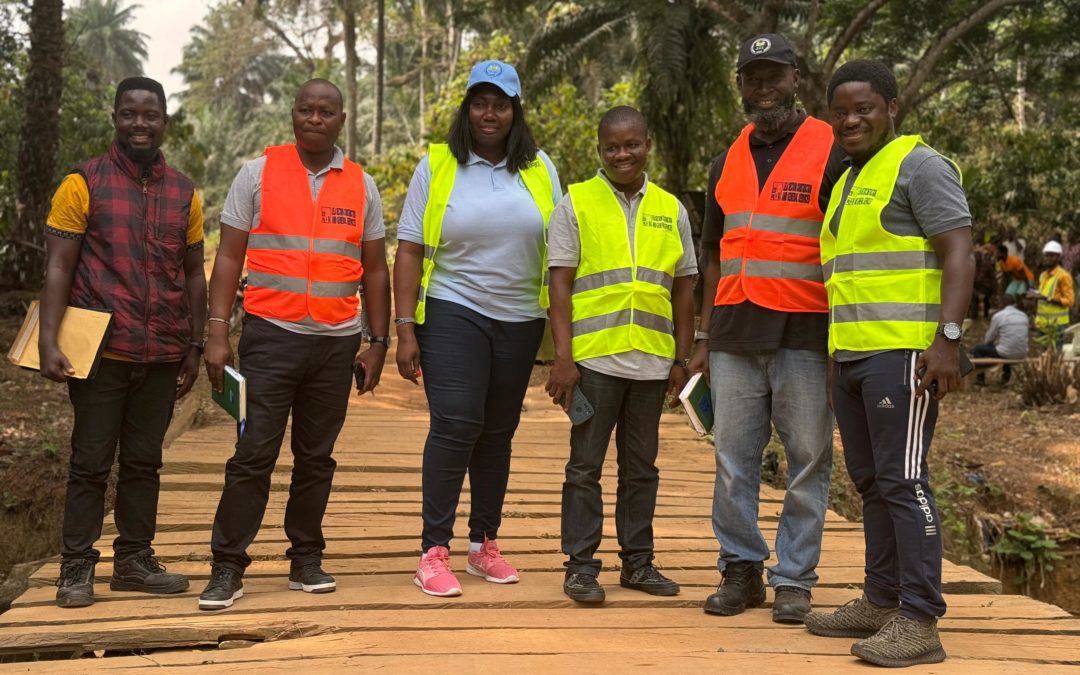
(564, 250)
(928, 200)
(244, 204)
(492, 243)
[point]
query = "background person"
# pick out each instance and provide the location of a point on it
(1054, 297)
(468, 281)
(618, 242)
(897, 255)
(311, 225)
(765, 309)
(1019, 276)
(108, 250)
(1006, 337)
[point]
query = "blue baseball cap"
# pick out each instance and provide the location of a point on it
(498, 73)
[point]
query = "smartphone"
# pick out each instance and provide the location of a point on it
(358, 373)
(966, 366)
(580, 408)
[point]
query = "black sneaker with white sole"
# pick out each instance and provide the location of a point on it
(226, 585)
(310, 578)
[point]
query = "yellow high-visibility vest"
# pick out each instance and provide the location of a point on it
(621, 301)
(884, 290)
(1050, 316)
(443, 171)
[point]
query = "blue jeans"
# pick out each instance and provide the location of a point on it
(786, 387)
(476, 372)
(632, 409)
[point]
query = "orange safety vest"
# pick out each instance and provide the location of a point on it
(304, 257)
(770, 252)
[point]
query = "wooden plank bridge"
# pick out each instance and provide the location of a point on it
(379, 619)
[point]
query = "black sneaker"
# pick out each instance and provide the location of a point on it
(740, 587)
(649, 580)
(142, 572)
(226, 585)
(791, 604)
(310, 578)
(75, 586)
(583, 588)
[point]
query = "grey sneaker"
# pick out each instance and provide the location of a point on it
(791, 604)
(75, 587)
(859, 618)
(901, 643)
(142, 572)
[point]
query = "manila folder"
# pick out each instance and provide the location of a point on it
(82, 336)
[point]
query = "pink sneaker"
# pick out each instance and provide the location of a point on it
(489, 563)
(433, 575)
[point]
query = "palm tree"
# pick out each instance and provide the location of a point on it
(678, 55)
(99, 29)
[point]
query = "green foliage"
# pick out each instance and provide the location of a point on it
(1049, 380)
(99, 30)
(1029, 544)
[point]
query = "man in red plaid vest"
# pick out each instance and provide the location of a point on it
(125, 234)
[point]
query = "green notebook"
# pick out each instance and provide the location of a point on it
(233, 396)
(697, 401)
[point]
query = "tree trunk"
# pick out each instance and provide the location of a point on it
(421, 7)
(380, 76)
(39, 142)
(349, 26)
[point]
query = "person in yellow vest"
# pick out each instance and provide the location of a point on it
(762, 338)
(310, 223)
(470, 293)
(622, 320)
(897, 258)
(1054, 297)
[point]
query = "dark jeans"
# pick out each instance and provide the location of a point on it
(987, 350)
(311, 376)
(886, 434)
(632, 408)
(130, 405)
(476, 371)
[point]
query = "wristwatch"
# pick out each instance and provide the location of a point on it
(384, 341)
(198, 344)
(682, 363)
(950, 331)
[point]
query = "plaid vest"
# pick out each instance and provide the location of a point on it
(132, 257)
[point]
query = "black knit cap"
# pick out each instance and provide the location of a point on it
(139, 84)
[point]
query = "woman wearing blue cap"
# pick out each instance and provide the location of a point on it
(471, 293)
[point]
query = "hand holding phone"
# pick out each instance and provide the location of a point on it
(580, 409)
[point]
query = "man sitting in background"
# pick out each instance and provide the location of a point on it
(1006, 338)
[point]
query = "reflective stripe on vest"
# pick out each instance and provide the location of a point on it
(1049, 316)
(884, 290)
(304, 256)
(620, 301)
(769, 253)
(443, 171)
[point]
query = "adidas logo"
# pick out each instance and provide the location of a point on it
(885, 403)
(930, 530)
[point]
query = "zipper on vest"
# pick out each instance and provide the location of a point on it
(145, 178)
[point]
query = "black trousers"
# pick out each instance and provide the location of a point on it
(310, 376)
(476, 371)
(126, 405)
(632, 409)
(886, 433)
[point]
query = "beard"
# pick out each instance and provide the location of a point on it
(770, 121)
(139, 155)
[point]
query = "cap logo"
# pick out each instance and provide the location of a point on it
(760, 46)
(493, 69)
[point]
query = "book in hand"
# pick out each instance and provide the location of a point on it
(233, 395)
(81, 337)
(697, 401)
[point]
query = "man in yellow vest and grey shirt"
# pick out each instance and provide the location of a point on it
(622, 267)
(897, 260)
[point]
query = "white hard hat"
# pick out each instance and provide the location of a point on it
(1052, 247)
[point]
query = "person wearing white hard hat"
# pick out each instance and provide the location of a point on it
(1055, 296)
(470, 291)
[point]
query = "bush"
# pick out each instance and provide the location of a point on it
(1048, 380)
